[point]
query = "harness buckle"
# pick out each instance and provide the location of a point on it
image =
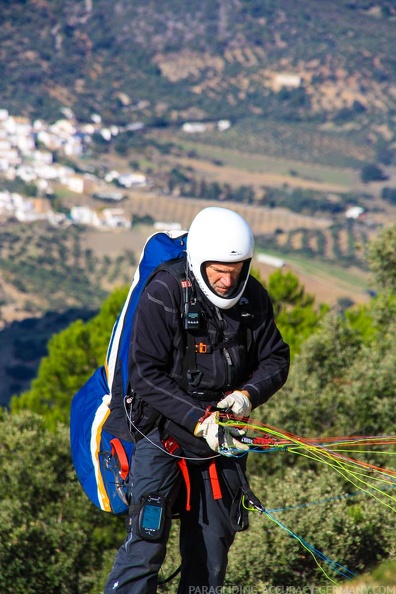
(201, 348)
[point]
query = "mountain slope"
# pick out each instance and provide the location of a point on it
(163, 61)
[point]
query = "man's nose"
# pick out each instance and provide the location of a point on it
(226, 280)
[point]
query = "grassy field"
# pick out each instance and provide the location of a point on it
(326, 282)
(355, 278)
(256, 163)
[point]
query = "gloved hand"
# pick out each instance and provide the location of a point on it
(209, 430)
(238, 402)
(231, 446)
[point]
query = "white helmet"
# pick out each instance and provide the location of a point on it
(219, 235)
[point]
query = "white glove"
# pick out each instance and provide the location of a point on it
(209, 430)
(238, 402)
(232, 446)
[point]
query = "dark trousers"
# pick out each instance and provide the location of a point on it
(206, 531)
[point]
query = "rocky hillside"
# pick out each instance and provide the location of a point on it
(328, 63)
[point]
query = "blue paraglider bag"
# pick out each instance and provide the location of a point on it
(101, 459)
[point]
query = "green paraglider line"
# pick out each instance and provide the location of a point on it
(334, 452)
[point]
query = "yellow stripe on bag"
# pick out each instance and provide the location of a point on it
(100, 417)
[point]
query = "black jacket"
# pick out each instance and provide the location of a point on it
(257, 359)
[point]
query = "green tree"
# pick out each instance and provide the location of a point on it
(372, 172)
(73, 355)
(296, 314)
(389, 194)
(343, 380)
(285, 291)
(382, 260)
(310, 403)
(52, 539)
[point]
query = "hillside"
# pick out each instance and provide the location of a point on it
(326, 67)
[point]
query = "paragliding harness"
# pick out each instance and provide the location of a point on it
(102, 443)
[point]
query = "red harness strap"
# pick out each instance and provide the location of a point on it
(214, 480)
(172, 447)
(184, 470)
(120, 457)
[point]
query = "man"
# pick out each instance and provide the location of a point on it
(202, 340)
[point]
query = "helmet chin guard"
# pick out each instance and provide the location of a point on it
(219, 235)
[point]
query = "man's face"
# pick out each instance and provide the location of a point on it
(223, 277)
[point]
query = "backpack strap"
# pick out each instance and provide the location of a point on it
(247, 320)
(191, 315)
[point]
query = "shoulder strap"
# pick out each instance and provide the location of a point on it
(246, 320)
(191, 375)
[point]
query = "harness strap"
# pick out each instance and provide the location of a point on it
(190, 369)
(247, 492)
(214, 480)
(184, 470)
(121, 459)
(173, 447)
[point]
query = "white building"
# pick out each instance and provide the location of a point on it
(50, 140)
(73, 146)
(106, 134)
(6, 203)
(75, 184)
(82, 215)
(287, 80)
(270, 260)
(223, 125)
(354, 212)
(129, 180)
(26, 173)
(56, 218)
(116, 218)
(9, 154)
(63, 129)
(194, 127)
(44, 157)
(111, 176)
(167, 226)
(25, 210)
(47, 171)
